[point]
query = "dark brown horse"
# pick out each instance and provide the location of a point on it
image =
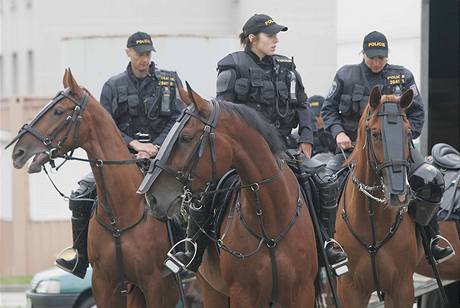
(89, 126)
(373, 224)
(280, 265)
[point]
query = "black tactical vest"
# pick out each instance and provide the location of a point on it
(356, 91)
(146, 107)
(272, 92)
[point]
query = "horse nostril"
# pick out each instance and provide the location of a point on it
(18, 153)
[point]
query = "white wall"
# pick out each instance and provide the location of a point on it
(6, 207)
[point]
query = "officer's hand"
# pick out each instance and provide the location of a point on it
(149, 148)
(142, 154)
(343, 141)
(306, 149)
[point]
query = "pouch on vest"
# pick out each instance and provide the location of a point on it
(345, 105)
(257, 83)
(283, 91)
(133, 104)
(242, 89)
(356, 97)
(267, 92)
(121, 103)
(166, 101)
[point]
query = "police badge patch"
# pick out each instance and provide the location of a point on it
(332, 89)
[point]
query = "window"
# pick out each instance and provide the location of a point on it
(14, 74)
(30, 72)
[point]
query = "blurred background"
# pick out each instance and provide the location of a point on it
(39, 38)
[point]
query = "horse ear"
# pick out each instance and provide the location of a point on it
(374, 97)
(406, 99)
(69, 81)
(65, 79)
(200, 103)
(184, 95)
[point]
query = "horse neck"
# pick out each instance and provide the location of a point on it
(255, 162)
(119, 183)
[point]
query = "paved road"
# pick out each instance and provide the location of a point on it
(12, 300)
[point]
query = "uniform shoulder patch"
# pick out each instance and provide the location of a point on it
(332, 89)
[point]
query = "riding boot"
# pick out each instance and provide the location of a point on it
(75, 259)
(326, 204)
(440, 254)
(196, 242)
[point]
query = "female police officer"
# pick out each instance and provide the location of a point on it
(270, 84)
(349, 95)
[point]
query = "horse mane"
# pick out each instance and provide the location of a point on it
(361, 136)
(256, 121)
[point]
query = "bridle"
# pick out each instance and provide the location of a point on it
(73, 120)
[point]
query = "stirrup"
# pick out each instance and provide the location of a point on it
(437, 238)
(174, 264)
(339, 268)
(67, 254)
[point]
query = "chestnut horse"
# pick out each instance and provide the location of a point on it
(75, 119)
(374, 227)
(268, 254)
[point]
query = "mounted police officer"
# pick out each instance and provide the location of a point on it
(270, 84)
(345, 102)
(323, 140)
(142, 101)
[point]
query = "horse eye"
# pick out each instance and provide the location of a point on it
(376, 136)
(58, 111)
(186, 138)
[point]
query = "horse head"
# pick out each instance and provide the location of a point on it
(187, 164)
(387, 138)
(55, 130)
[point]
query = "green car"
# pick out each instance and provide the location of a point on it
(55, 288)
(59, 289)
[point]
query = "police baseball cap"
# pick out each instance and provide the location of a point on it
(375, 45)
(141, 42)
(316, 102)
(262, 23)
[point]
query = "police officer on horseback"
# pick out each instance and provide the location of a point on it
(270, 84)
(142, 101)
(345, 102)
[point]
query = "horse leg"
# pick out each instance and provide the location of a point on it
(401, 296)
(106, 292)
(350, 296)
(136, 299)
(161, 292)
(211, 297)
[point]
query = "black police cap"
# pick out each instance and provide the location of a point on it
(262, 23)
(315, 102)
(375, 45)
(141, 42)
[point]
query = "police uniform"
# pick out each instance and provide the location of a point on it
(147, 106)
(349, 95)
(142, 108)
(271, 86)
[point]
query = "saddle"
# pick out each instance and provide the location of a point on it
(447, 159)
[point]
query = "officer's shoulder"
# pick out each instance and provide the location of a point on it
(346, 70)
(116, 78)
(281, 58)
(229, 60)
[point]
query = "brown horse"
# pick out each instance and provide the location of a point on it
(75, 119)
(272, 257)
(374, 227)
